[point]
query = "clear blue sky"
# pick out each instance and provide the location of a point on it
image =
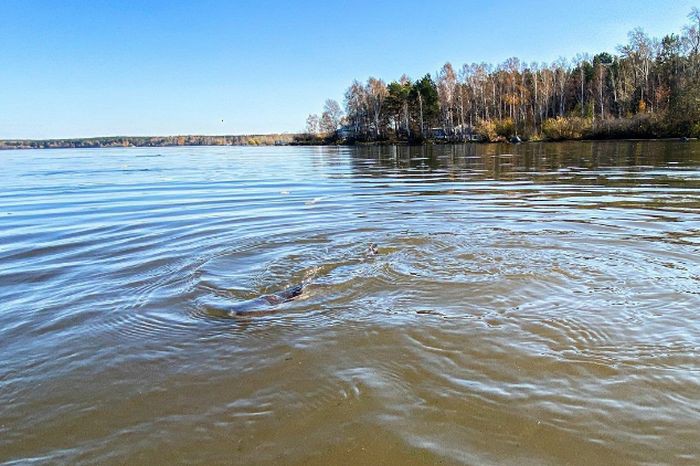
(88, 68)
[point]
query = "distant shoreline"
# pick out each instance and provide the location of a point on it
(253, 141)
(149, 141)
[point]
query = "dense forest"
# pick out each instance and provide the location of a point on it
(649, 88)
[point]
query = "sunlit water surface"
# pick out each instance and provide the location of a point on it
(534, 304)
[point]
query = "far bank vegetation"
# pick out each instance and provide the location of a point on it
(150, 141)
(649, 88)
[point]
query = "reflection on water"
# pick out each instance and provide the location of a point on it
(525, 304)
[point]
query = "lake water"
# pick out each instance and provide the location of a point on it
(533, 304)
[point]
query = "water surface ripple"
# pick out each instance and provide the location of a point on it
(533, 304)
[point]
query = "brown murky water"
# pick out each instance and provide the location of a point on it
(534, 304)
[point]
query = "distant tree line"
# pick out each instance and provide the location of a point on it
(149, 141)
(649, 88)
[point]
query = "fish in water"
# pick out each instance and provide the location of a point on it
(265, 304)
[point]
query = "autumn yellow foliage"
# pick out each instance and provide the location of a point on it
(496, 130)
(566, 127)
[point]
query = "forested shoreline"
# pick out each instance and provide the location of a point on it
(150, 141)
(650, 88)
